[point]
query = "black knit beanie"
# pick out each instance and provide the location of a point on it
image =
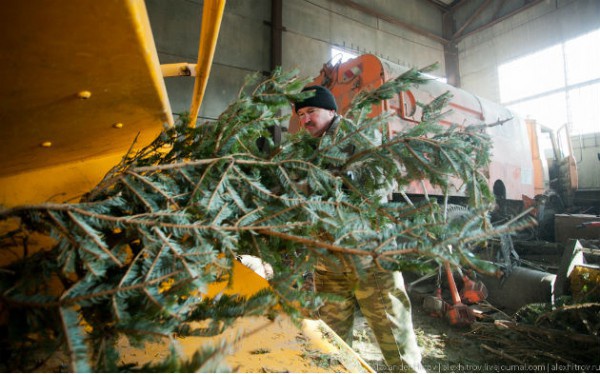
(323, 99)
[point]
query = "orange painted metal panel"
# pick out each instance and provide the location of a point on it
(511, 162)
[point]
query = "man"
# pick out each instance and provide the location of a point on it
(317, 113)
(380, 295)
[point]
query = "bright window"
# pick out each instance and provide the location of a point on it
(339, 55)
(584, 107)
(558, 85)
(549, 110)
(531, 75)
(583, 58)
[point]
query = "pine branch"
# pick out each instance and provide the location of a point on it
(75, 339)
(315, 243)
(137, 253)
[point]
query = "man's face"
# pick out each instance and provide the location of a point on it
(315, 120)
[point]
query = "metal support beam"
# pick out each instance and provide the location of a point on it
(497, 20)
(472, 18)
(441, 5)
(212, 13)
(499, 6)
(180, 69)
(392, 20)
(457, 4)
(450, 51)
(276, 33)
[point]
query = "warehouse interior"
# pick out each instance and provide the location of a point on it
(89, 82)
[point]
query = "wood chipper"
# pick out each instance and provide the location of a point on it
(81, 82)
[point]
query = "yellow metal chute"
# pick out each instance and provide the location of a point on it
(211, 23)
(81, 81)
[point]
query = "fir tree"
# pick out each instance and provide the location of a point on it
(134, 257)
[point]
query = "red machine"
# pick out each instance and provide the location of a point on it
(458, 314)
(514, 171)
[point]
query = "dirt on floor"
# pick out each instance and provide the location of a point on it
(488, 345)
(444, 348)
(533, 339)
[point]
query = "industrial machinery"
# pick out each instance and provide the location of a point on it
(519, 174)
(511, 170)
(532, 166)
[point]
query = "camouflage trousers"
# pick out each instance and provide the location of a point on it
(384, 303)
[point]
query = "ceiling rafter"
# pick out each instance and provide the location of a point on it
(443, 6)
(472, 18)
(392, 20)
(496, 19)
(457, 4)
(498, 8)
(448, 7)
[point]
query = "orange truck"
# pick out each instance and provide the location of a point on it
(518, 170)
